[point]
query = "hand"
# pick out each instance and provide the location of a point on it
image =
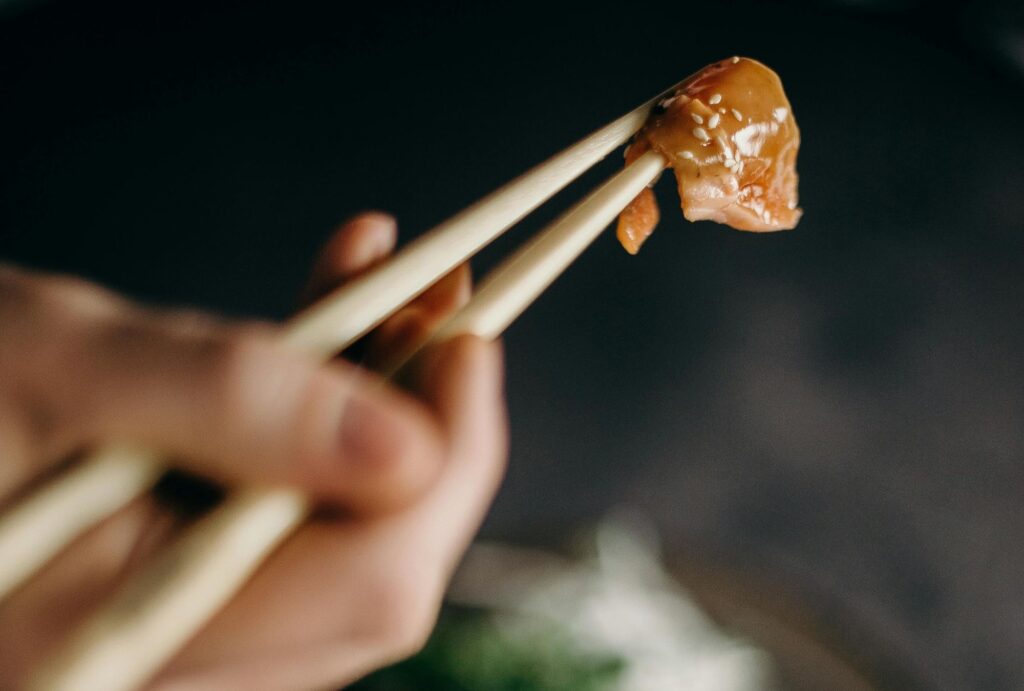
(408, 477)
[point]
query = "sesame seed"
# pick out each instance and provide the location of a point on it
(700, 134)
(713, 120)
(715, 98)
(688, 155)
(737, 114)
(729, 163)
(735, 60)
(697, 119)
(722, 111)
(780, 113)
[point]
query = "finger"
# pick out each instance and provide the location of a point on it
(451, 292)
(350, 591)
(238, 407)
(463, 380)
(39, 614)
(358, 244)
(43, 318)
(16, 465)
(381, 582)
(412, 326)
(362, 242)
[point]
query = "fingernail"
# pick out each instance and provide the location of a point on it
(368, 433)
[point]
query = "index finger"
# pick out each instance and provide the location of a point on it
(463, 381)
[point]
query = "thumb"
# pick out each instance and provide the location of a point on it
(238, 407)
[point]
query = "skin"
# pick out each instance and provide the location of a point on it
(405, 477)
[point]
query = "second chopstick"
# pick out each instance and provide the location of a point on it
(46, 522)
(125, 643)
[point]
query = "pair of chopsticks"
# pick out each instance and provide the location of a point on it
(123, 644)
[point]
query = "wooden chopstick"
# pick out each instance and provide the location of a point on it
(41, 526)
(36, 530)
(126, 642)
(513, 286)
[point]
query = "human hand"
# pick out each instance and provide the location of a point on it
(408, 478)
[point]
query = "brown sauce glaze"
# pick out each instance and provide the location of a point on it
(728, 133)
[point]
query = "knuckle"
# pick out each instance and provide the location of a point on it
(241, 348)
(256, 381)
(54, 327)
(189, 323)
(231, 362)
(90, 349)
(75, 300)
(46, 313)
(225, 357)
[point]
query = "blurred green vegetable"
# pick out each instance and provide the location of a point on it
(471, 651)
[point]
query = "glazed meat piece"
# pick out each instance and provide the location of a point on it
(728, 133)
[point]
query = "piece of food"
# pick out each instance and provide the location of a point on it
(728, 132)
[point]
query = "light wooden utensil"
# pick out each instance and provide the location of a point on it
(132, 636)
(36, 530)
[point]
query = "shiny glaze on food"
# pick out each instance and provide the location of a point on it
(728, 133)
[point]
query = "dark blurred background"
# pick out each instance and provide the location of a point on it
(837, 411)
